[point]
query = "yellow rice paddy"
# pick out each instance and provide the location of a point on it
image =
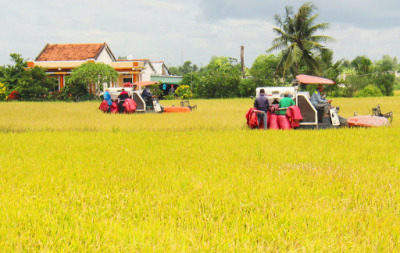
(75, 179)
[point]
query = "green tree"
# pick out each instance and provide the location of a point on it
(10, 74)
(363, 65)
(386, 64)
(298, 40)
(192, 80)
(346, 63)
(34, 83)
(263, 70)
(91, 76)
(221, 79)
(175, 71)
(385, 83)
(186, 68)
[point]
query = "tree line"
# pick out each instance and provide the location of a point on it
(300, 50)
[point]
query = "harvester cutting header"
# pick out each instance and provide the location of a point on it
(136, 97)
(287, 107)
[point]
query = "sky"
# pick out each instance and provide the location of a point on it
(175, 31)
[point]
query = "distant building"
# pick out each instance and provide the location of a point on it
(61, 59)
(160, 68)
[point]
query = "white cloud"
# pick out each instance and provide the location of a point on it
(374, 43)
(196, 29)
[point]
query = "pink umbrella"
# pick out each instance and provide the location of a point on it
(306, 79)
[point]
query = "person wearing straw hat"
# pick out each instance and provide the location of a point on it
(318, 102)
(285, 102)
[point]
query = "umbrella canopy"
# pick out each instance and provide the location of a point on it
(144, 83)
(306, 79)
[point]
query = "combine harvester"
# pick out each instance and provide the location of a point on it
(147, 106)
(313, 118)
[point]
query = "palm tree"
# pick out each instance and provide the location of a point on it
(363, 65)
(298, 41)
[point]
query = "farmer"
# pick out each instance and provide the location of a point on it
(285, 102)
(121, 98)
(107, 97)
(262, 105)
(146, 95)
(172, 90)
(318, 102)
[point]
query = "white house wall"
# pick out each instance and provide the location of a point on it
(158, 67)
(146, 73)
(104, 57)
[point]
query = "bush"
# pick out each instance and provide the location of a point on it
(55, 95)
(369, 91)
(183, 92)
(34, 84)
(3, 90)
(14, 95)
(155, 90)
(67, 93)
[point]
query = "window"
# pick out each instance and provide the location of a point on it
(127, 80)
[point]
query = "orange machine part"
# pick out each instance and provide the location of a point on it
(367, 121)
(176, 109)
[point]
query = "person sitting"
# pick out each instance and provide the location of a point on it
(285, 102)
(121, 98)
(318, 102)
(146, 95)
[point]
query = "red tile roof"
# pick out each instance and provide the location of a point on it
(70, 52)
(132, 59)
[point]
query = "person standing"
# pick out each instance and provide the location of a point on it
(285, 102)
(172, 90)
(262, 105)
(121, 98)
(107, 97)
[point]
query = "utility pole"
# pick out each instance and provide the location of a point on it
(242, 60)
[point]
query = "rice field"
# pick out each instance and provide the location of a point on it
(76, 180)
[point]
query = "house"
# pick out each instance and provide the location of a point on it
(160, 68)
(61, 59)
(127, 75)
(162, 75)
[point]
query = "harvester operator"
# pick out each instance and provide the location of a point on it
(146, 94)
(262, 105)
(318, 102)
